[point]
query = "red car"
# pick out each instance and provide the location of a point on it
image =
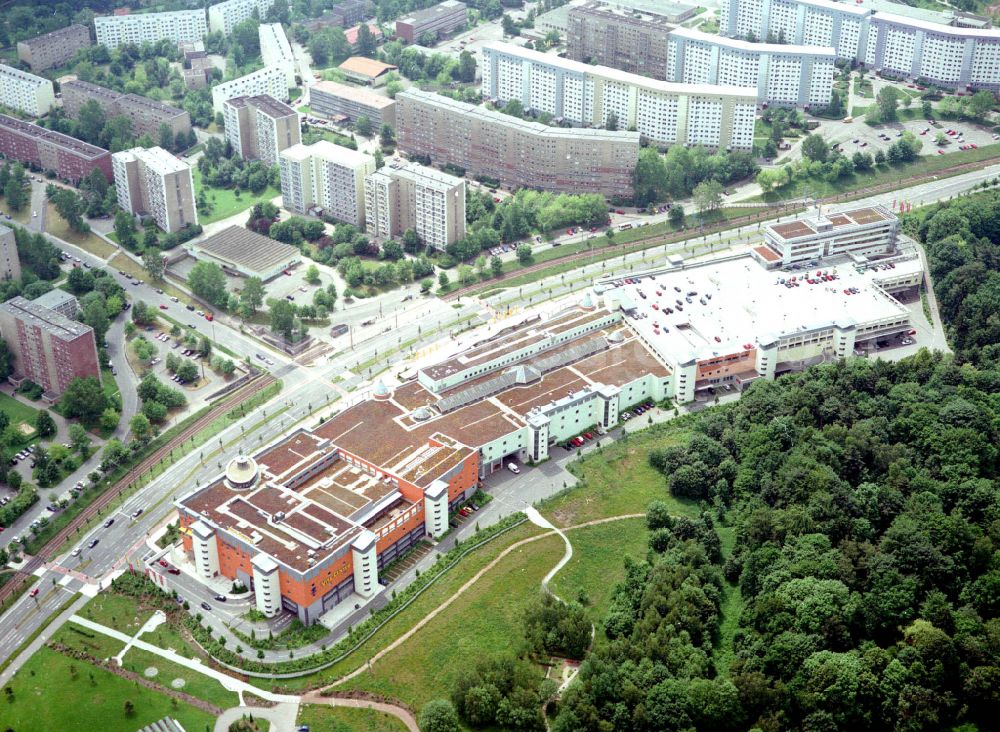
(209, 316)
(287, 273)
(173, 570)
(164, 563)
(33, 593)
(588, 436)
(163, 307)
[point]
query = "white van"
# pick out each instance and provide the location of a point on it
(512, 467)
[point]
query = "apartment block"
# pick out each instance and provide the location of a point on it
(859, 233)
(178, 25)
(49, 348)
(276, 51)
(782, 74)
(618, 37)
(720, 117)
(269, 80)
(332, 100)
(25, 92)
(153, 182)
(70, 159)
(260, 127)
(10, 265)
(325, 179)
(401, 196)
(516, 152)
(146, 114)
(438, 21)
(223, 16)
(55, 48)
(341, 15)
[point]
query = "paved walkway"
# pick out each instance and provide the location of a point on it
(281, 717)
(538, 520)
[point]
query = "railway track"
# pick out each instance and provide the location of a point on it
(52, 545)
(771, 212)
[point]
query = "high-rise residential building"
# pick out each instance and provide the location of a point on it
(327, 179)
(10, 265)
(260, 127)
(945, 53)
(146, 114)
(513, 151)
(178, 25)
(55, 48)
(25, 92)
(621, 38)
(70, 159)
(401, 196)
(437, 21)
(782, 74)
(223, 16)
(49, 348)
(155, 183)
(332, 100)
(276, 51)
(269, 80)
(720, 117)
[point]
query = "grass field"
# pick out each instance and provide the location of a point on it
(121, 612)
(196, 684)
(17, 411)
(94, 644)
(17, 217)
(56, 226)
(55, 692)
(224, 201)
(321, 718)
(482, 623)
(732, 608)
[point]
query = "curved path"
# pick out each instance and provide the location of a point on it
(538, 520)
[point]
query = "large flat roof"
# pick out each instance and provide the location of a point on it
(51, 321)
(66, 142)
(246, 249)
(448, 6)
(359, 94)
(366, 66)
(758, 48)
(809, 226)
(945, 30)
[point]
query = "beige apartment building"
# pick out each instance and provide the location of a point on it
(618, 37)
(516, 152)
(401, 196)
(146, 114)
(153, 182)
(26, 92)
(10, 265)
(260, 127)
(325, 179)
(55, 48)
(332, 100)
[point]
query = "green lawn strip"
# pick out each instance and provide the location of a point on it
(129, 266)
(483, 622)
(225, 203)
(732, 608)
(55, 692)
(323, 718)
(18, 411)
(431, 598)
(602, 492)
(37, 631)
(121, 612)
(196, 684)
(57, 226)
(167, 637)
(87, 641)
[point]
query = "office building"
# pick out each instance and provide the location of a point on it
(618, 37)
(69, 158)
(260, 127)
(146, 114)
(178, 25)
(325, 179)
(276, 51)
(667, 113)
(10, 265)
(152, 182)
(48, 348)
(244, 253)
(55, 48)
(342, 15)
(436, 21)
(782, 74)
(860, 233)
(401, 196)
(222, 17)
(25, 92)
(516, 152)
(342, 102)
(269, 80)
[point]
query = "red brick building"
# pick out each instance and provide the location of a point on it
(69, 158)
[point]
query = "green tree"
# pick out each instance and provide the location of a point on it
(524, 253)
(466, 67)
(252, 295)
(6, 360)
(79, 438)
(154, 264)
(508, 25)
(439, 715)
(363, 125)
(675, 214)
(496, 266)
(386, 136)
(707, 195)
(140, 427)
(125, 229)
(15, 194)
(980, 104)
(44, 424)
(887, 102)
(611, 123)
(366, 41)
(165, 137)
(282, 315)
(443, 279)
(207, 280)
(84, 398)
(814, 147)
(312, 274)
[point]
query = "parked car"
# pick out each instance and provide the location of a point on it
(205, 606)
(512, 467)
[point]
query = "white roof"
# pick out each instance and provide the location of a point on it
(836, 7)
(947, 30)
(741, 45)
(155, 158)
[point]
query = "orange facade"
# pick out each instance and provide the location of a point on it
(730, 364)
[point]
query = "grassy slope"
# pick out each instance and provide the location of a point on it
(321, 718)
(195, 684)
(225, 202)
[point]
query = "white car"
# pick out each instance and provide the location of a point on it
(76, 552)
(512, 467)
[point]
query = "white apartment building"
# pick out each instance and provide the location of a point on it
(800, 76)
(402, 196)
(223, 16)
(276, 51)
(260, 127)
(154, 182)
(910, 47)
(25, 92)
(325, 178)
(667, 113)
(269, 80)
(178, 25)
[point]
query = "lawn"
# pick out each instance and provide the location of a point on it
(17, 217)
(196, 684)
(121, 612)
(322, 718)
(83, 639)
(17, 411)
(602, 492)
(55, 692)
(483, 622)
(56, 226)
(133, 269)
(224, 201)
(732, 608)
